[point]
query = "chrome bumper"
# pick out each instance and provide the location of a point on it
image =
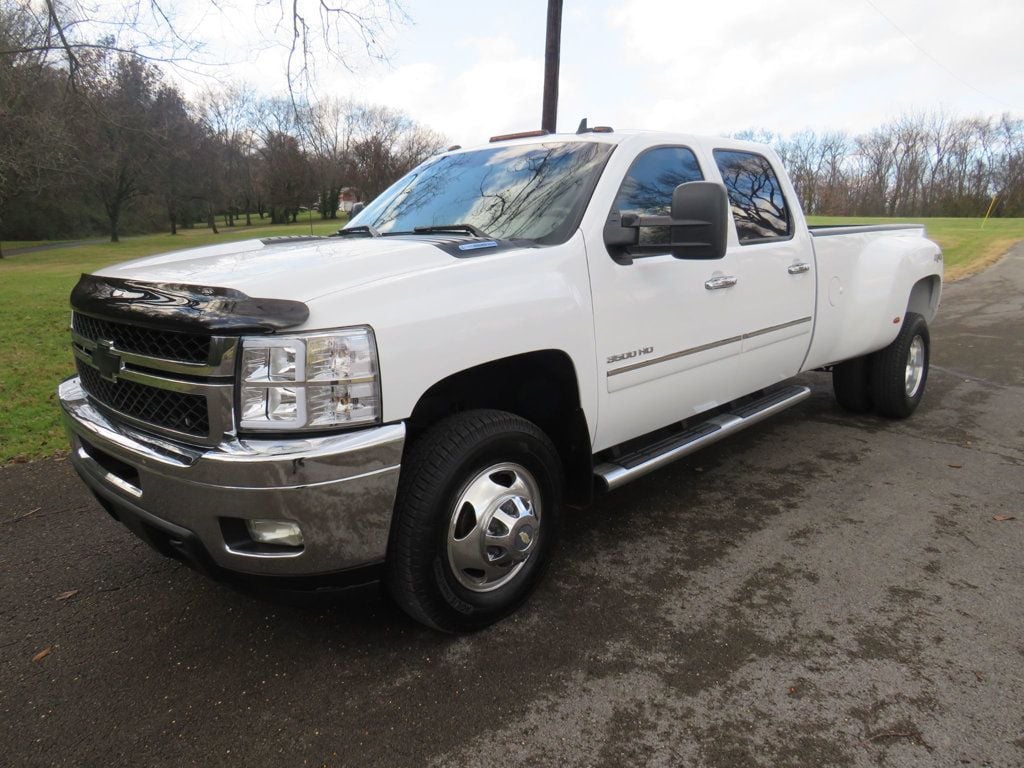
(340, 489)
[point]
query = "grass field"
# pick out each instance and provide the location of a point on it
(34, 290)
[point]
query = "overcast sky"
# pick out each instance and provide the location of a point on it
(474, 69)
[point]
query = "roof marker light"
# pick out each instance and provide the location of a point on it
(584, 128)
(522, 135)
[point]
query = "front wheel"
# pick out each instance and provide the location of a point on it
(900, 371)
(476, 517)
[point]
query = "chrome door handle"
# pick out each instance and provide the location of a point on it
(722, 281)
(799, 267)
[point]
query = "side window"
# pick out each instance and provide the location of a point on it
(755, 195)
(647, 188)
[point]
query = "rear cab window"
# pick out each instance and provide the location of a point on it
(648, 186)
(758, 205)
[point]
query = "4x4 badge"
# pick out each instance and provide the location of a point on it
(106, 361)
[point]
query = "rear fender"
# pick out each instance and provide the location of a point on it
(893, 275)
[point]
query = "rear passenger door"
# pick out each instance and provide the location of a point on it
(773, 258)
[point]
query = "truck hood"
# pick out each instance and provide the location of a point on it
(300, 270)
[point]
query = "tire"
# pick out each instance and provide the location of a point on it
(900, 371)
(478, 485)
(851, 384)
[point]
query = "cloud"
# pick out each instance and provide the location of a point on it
(484, 86)
(717, 67)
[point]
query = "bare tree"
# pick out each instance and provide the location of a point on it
(229, 115)
(34, 147)
(118, 130)
(833, 149)
(387, 144)
(286, 178)
(327, 130)
(311, 31)
(178, 175)
(1008, 179)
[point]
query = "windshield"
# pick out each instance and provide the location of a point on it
(531, 191)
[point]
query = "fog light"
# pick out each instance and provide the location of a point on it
(278, 532)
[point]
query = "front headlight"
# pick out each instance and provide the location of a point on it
(315, 381)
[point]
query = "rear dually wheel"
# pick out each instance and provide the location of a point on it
(900, 371)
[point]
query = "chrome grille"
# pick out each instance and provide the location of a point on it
(173, 383)
(177, 411)
(144, 341)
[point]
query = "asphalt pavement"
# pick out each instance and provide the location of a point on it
(822, 590)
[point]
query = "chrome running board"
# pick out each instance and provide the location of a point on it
(618, 471)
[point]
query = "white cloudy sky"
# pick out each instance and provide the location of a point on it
(473, 69)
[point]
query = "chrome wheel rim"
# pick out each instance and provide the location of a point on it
(494, 527)
(915, 366)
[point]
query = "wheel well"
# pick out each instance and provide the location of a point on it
(924, 297)
(541, 387)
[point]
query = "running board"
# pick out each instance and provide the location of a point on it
(613, 474)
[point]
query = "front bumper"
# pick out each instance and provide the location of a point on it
(340, 489)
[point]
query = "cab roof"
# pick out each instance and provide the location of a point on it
(616, 136)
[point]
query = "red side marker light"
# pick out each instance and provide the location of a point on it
(895, 321)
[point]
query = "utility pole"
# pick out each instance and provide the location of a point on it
(552, 54)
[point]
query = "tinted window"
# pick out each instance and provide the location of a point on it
(648, 187)
(529, 191)
(755, 195)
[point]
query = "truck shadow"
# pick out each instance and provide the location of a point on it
(681, 517)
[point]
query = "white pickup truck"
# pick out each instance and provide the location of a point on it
(505, 331)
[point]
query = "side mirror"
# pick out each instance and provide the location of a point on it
(700, 215)
(697, 225)
(357, 209)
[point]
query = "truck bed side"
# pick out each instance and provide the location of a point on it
(869, 277)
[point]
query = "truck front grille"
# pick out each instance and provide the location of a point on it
(164, 408)
(170, 345)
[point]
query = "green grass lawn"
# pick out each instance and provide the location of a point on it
(34, 313)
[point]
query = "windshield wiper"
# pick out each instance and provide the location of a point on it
(450, 228)
(362, 229)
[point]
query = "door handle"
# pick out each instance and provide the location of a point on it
(799, 267)
(722, 281)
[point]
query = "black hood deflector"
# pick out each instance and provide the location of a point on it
(185, 308)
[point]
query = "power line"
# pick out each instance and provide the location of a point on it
(934, 60)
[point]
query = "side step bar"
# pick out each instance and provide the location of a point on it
(615, 473)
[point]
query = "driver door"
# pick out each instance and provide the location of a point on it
(668, 329)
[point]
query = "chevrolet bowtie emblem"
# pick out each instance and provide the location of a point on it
(106, 360)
